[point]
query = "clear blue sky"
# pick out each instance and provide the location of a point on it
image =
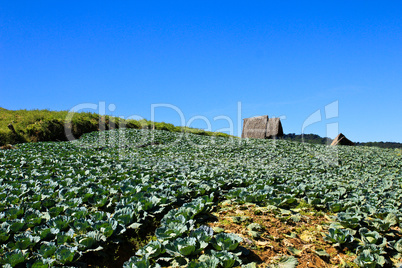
(281, 58)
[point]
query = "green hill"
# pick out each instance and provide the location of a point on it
(316, 139)
(309, 138)
(45, 125)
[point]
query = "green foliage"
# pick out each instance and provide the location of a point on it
(226, 259)
(14, 258)
(398, 246)
(308, 138)
(349, 220)
(182, 247)
(203, 236)
(338, 236)
(61, 200)
(226, 241)
(135, 262)
(381, 144)
(45, 125)
(369, 259)
(47, 249)
(372, 237)
(152, 250)
(316, 139)
(65, 254)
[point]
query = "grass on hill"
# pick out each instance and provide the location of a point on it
(45, 125)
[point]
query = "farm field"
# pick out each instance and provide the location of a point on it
(142, 198)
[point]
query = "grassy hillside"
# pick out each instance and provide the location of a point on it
(45, 125)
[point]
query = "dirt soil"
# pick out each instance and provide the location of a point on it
(297, 233)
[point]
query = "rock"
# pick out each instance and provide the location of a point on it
(341, 140)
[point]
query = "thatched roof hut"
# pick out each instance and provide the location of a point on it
(262, 127)
(274, 128)
(255, 127)
(341, 140)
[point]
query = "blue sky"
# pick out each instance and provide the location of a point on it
(281, 58)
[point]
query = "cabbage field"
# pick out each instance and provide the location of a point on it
(93, 200)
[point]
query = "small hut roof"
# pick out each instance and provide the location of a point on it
(255, 127)
(341, 140)
(274, 128)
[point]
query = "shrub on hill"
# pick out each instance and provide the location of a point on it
(45, 125)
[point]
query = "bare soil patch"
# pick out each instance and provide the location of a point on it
(299, 234)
